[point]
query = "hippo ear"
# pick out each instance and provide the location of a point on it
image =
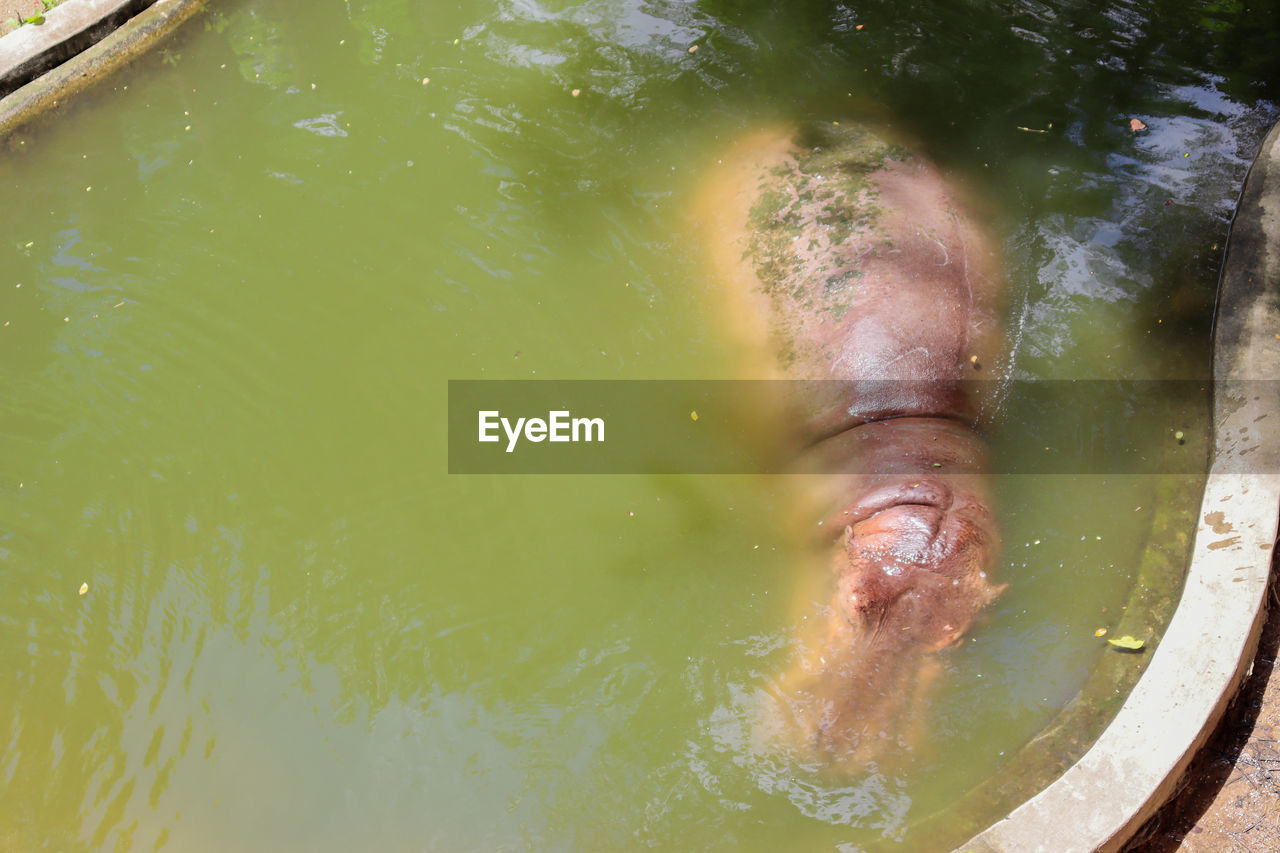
(991, 593)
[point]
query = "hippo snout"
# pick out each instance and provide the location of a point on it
(899, 535)
(913, 572)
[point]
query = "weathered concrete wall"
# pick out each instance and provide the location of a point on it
(68, 29)
(123, 40)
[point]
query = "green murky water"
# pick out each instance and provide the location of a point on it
(236, 280)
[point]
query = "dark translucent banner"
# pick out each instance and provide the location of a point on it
(753, 427)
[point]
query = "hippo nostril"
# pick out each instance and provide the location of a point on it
(905, 533)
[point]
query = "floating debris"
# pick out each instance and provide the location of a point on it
(1127, 642)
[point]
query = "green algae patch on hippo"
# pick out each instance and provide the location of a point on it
(848, 256)
(816, 218)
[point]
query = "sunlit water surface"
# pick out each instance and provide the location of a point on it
(237, 279)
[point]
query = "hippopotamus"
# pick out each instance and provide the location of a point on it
(849, 262)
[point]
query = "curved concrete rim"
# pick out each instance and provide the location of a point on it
(81, 42)
(1102, 800)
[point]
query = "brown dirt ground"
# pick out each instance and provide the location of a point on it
(1231, 802)
(16, 10)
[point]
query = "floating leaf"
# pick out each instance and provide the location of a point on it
(1136, 125)
(84, 588)
(693, 416)
(1127, 642)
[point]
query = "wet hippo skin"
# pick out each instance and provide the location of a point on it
(850, 262)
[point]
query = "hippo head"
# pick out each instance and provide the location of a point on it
(910, 577)
(914, 562)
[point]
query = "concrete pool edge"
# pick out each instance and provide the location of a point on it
(1208, 648)
(95, 37)
(68, 29)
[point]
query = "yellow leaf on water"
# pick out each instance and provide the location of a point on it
(693, 416)
(1127, 642)
(84, 587)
